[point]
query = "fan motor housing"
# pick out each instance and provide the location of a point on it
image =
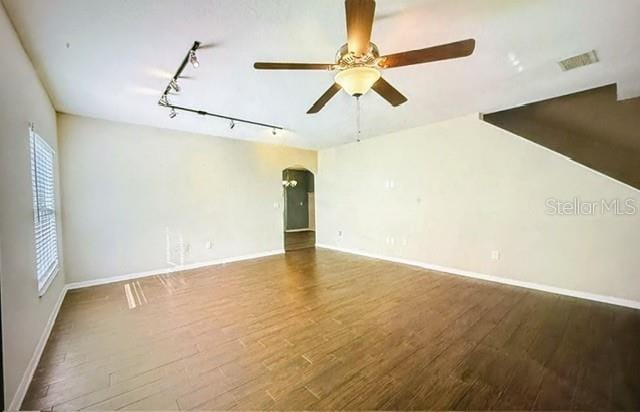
(346, 59)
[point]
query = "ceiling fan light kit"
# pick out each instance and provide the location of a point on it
(359, 62)
(357, 80)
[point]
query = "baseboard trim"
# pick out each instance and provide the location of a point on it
(491, 278)
(130, 276)
(18, 397)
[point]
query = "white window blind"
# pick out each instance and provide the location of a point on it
(44, 205)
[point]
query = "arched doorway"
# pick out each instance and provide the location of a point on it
(298, 186)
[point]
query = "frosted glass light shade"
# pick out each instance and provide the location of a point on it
(357, 80)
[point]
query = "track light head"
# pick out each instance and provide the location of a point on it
(232, 124)
(174, 85)
(172, 113)
(193, 59)
(273, 131)
(164, 100)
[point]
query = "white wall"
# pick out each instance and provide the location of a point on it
(24, 314)
(123, 185)
(464, 188)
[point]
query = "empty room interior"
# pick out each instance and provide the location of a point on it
(320, 205)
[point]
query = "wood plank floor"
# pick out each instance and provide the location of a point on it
(317, 329)
(299, 240)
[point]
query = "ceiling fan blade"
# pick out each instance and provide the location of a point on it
(388, 92)
(359, 24)
(319, 104)
(292, 66)
(430, 54)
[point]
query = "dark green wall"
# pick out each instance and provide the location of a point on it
(297, 200)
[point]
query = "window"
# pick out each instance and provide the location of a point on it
(44, 206)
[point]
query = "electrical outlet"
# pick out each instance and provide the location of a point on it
(495, 255)
(339, 233)
(276, 205)
(208, 244)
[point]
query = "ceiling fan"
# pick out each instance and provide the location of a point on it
(359, 62)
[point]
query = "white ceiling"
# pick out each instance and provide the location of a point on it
(121, 52)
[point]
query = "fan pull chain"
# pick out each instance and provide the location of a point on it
(358, 119)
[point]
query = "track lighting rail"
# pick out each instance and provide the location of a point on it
(192, 58)
(176, 76)
(221, 116)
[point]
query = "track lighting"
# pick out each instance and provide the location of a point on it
(164, 101)
(193, 59)
(174, 85)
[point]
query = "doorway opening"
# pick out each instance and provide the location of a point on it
(298, 188)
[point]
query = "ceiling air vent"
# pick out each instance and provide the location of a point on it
(580, 60)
